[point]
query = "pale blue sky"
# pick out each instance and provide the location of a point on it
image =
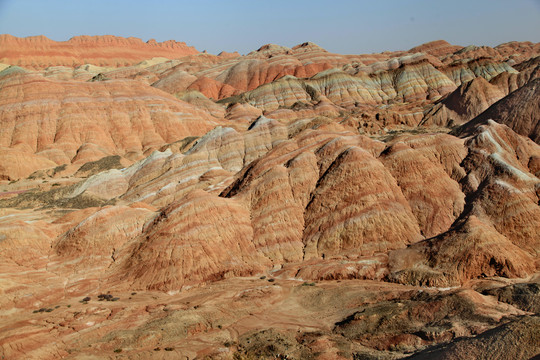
(342, 26)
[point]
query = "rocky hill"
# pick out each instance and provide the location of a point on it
(39, 52)
(289, 203)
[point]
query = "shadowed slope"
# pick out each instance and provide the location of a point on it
(519, 110)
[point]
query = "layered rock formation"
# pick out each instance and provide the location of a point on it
(39, 52)
(289, 203)
(465, 103)
(333, 195)
(184, 245)
(436, 48)
(520, 110)
(494, 235)
(59, 122)
(345, 90)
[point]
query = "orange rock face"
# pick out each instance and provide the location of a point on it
(366, 213)
(39, 52)
(494, 235)
(184, 245)
(55, 121)
(436, 48)
(435, 199)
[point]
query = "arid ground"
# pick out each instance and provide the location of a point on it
(161, 203)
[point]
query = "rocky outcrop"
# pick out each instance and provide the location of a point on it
(176, 82)
(213, 88)
(437, 48)
(465, 70)
(528, 71)
(435, 199)
(351, 212)
(518, 51)
(518, 338)
(16, 164)
(98, 240)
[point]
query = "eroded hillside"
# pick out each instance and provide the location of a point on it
(288, 203)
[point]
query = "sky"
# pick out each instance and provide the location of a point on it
(340, 26)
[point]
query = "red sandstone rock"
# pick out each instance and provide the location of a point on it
(435, 199)
(212, 88)
(495, 235)
(184, 245)
(79, 122)
(39, 52)
(436, 48)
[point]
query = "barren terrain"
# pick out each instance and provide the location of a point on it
(290, 203)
